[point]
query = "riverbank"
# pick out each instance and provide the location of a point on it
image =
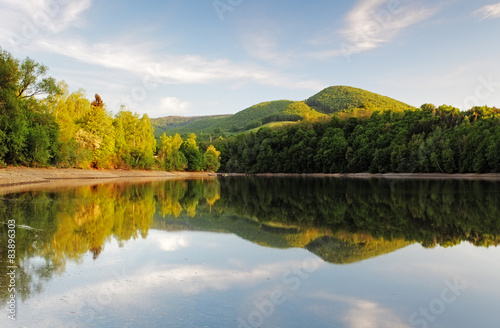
(421, 176)
(13, 179)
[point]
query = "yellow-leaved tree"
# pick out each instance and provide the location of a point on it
(211, 159)
(135, 143)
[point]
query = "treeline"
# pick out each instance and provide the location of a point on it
(68, 130)
(429, 139)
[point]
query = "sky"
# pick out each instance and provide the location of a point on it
(206, 57)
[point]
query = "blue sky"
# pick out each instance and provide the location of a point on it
(203, 57)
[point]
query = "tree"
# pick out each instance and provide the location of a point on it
(97, 135)
(171, 158)
(68, 111)
(9, 75)
(26, 134)
(211, 159)
(135, 143)
(192, 153)
(29, 84)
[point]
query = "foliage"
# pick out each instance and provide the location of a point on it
(135, 143)
(97, 126)
(192, 153)
(176, 154)
(321, 105)
(27, 135)
(170, 156)
(247, 119)
(166, 124)
(68, 130)
(29, 85)
(211, 159)
(339, 98)
(428, 140)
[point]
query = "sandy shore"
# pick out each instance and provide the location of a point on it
(15, 179)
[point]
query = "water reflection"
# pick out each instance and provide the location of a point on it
(341, 221)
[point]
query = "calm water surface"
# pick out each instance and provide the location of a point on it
(256, 252)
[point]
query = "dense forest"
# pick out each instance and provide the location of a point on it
(429, 139)
(42, 124)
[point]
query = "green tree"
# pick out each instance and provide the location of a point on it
(68, 111)
(27, 136)
(192, 153)
(170, 156)
(211, 159)
(30, 84)
(134, 140)
(97, 136)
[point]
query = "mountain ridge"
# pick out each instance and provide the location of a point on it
(323, 104)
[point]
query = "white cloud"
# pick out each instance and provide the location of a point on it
(371, 23)
(173, 105)
(21, 22)
(263, 47)
(359, 313)
(264, 43)
(165, 69)
(72, 13)
(489, 11)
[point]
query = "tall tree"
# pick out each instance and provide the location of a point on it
(135, 142)
(30, 84)
(97, 135)
(211, 159)
(27, 135)
(192, 153)
(171, 158)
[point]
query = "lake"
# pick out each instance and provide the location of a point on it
(255, 252)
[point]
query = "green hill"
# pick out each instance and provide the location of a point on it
(249, 118)
(165, 124)
(339, 98)
(324, 103)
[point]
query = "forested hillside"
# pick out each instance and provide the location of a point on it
(170, 124)
(247, 119)
(429, 139)
(339, 98)
(322, 105)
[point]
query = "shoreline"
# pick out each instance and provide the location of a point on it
(18, 179)
(402, 176)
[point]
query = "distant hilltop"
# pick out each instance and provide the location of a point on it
(279, 112)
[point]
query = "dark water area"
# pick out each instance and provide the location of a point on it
(253, 252)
